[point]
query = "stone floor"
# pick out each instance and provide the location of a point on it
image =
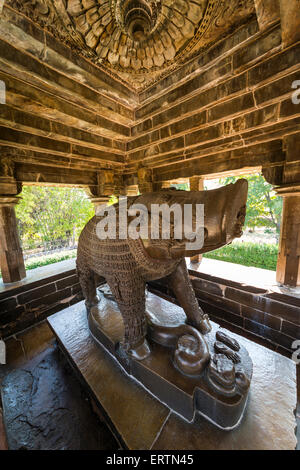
(44, 404)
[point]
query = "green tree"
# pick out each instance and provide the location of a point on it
(47, 214)
(264, 207)
(181, 186)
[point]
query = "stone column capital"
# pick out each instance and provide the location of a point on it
(9, 201)
(99, 200)
(8, 186)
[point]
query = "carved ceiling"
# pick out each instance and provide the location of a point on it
(137, 40)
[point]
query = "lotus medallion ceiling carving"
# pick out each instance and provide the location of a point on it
(137, 40)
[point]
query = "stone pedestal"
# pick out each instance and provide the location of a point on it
(11, 255)
(288, 267)
(140, 421)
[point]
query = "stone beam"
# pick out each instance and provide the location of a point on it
(45, 102)
(41, 175)
(25, 140)
(266, 154)
(28, 122)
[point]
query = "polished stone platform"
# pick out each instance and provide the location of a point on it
(140, 421)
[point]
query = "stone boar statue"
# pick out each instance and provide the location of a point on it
(128, 264)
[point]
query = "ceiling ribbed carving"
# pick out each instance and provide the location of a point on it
(138, 40)
(138, 34)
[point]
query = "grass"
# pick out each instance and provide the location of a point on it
(46, 260)
(259, 255)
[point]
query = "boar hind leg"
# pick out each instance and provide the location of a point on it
(87, 281)
(181, 285)
(130, 296)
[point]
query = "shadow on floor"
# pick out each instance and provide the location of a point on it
(43, 403)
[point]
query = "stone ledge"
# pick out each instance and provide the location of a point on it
(45, 291)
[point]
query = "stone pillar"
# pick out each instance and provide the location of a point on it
(145, 180)
(268, 12)
(288, 266)
(11, 255)
(290, 21)
(196, 184)
(100, 193)
(106, 182)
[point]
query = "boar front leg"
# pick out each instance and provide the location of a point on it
(181, 285)
(129, 293)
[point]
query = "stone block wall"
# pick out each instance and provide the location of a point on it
(21, 307)
(272, 319)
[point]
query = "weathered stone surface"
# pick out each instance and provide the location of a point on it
(257, 49)
(44, 409)
(113, 388)
(290, 19)
(269, 422)
(268, 12)
(11, 256)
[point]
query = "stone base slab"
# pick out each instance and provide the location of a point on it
(140, 421)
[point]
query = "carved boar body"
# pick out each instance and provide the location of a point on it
(128, 264)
